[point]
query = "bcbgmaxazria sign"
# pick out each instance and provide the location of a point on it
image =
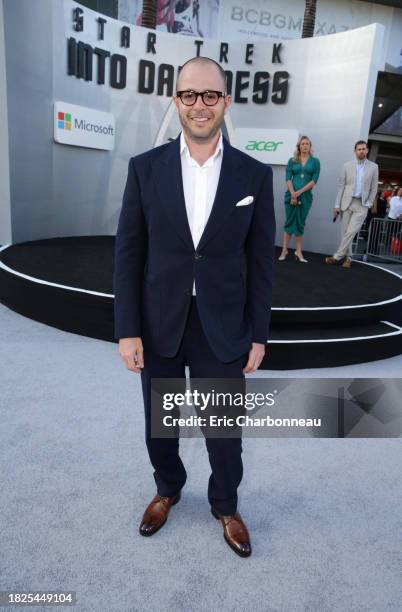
(98, 65)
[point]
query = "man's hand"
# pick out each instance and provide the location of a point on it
(255, 357)
(336, 212)
(132, 353)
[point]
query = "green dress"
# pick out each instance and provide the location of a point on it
(300, 175)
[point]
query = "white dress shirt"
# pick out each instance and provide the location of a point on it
(199, 184)
(357, 193)
(395, 207)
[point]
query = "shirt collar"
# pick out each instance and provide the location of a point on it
(185, 150)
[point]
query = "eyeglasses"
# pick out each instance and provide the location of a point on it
(209, 98)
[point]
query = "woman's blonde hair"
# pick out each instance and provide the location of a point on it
(296, 154)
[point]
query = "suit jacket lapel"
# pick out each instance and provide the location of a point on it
(169, 184)
(230, 188)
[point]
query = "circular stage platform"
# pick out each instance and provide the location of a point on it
(322, 315)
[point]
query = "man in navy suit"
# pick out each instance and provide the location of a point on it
(193, 279)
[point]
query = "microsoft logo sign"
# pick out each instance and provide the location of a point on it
(64, 121)
(81, 126)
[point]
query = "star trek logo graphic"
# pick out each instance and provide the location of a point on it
(64, 121)
(170, 127)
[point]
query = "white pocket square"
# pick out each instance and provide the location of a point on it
(245, 201)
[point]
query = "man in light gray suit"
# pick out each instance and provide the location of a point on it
(357, 191)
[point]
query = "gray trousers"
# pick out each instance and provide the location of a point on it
(351, 221)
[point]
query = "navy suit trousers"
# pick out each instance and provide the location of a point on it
(224, 453)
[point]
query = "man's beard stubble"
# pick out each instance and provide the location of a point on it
(201, 138)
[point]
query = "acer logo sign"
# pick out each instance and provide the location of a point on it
(269, 146)
(263, 145)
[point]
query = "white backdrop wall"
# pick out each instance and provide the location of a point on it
(61, 190)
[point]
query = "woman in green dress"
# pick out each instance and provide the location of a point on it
(302, 173)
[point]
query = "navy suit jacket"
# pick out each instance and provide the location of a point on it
(156, 262)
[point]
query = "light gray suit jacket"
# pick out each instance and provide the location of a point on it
(347, 184)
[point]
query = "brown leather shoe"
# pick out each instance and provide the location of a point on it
(235, 533)
(156, 513)
(347, 263)
(332, 261)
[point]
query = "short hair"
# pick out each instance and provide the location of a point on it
(359, 142)
(205, 60)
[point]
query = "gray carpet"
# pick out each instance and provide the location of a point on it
(324, 515)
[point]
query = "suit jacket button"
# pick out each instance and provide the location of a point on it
(197, 256)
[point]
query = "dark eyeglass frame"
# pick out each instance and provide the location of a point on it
(220, 94)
